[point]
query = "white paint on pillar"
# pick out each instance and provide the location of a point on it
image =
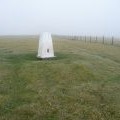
(45, 49)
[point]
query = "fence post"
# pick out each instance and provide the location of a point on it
(72, 37)
(85, 38)
(96, 38)
(76, 37)
(112, 40)
(103, 39)
(90, 39)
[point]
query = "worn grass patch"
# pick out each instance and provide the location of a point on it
(81, 83)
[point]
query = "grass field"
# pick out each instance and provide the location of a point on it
(81, 83)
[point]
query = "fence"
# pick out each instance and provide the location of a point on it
(94, 39)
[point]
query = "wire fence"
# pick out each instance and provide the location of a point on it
(93, 39)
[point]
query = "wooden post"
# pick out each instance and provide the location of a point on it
(112, 40)
(76, 37)
(81, 38)
(85, 38)
(96, 38)
(103, 39)
(90, 39)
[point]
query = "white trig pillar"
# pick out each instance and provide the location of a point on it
(45, 49)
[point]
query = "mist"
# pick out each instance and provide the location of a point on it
(68, 17)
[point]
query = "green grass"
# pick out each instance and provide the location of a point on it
(81, 83)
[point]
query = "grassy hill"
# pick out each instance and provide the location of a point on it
(81, 83)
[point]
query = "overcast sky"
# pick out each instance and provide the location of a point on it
(83, 17)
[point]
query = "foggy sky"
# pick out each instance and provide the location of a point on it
(72, 17)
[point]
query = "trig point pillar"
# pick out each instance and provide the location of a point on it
(45, 49)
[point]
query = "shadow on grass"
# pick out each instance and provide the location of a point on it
(16, 58)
